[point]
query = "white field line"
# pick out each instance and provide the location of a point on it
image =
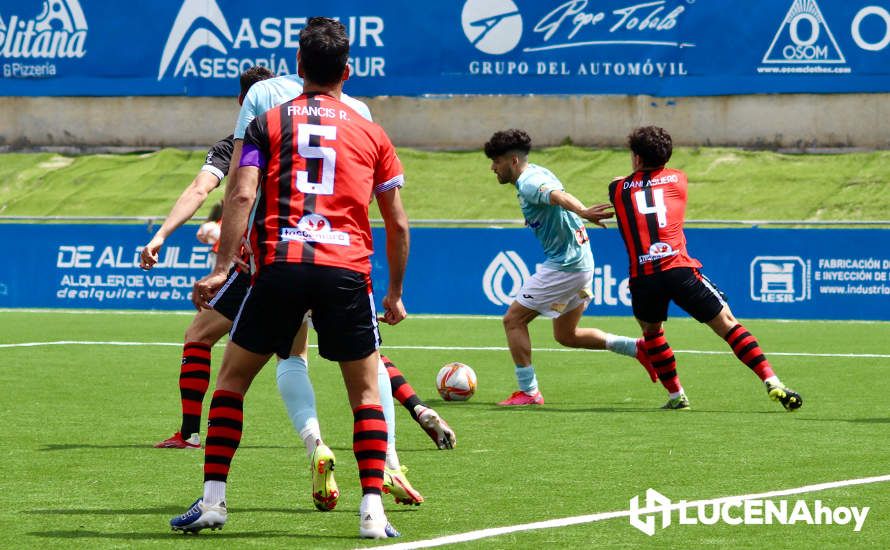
(576, 520)
(449, 348)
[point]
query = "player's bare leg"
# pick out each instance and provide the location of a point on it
(567, 332)
(665, 365)
(369, 442)
(747, 349)
(205, 330)
(225, 421)
(516, 322)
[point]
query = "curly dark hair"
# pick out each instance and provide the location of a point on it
(253, 75)
(324, 49)
(652, 144)
(506, 141)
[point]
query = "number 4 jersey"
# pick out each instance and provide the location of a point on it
(322, 164)
(650, 207)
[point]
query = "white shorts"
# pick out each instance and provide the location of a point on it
(552, 293)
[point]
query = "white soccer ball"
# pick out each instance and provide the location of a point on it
(456, 382)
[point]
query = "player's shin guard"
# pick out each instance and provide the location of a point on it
(662, 357)
(369, 446)
(194, 379)
(746, 348)
(225, 422)
(401, 389)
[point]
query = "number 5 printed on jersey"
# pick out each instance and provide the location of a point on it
(327, 155)
(659, 208)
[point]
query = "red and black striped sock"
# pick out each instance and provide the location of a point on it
(225, 422)
(662, 357)
(194, 379)
(746, 348)
(401, 389)
(369, 446)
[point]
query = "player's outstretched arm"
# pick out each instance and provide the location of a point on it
(594, 214)
(185, 207)
(395, 221)
(597, 213)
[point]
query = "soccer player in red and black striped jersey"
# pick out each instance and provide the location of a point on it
(208, 325)
(650, 206)
(309, 168)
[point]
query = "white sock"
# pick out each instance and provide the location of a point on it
(214, 492)
(392, 458)
(621, 345)
(676, 394)
(773, 380)
(311, 435)
(371, 505)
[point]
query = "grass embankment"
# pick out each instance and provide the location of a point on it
(725, 184)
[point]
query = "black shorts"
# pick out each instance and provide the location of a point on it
(342, 311)
(687, 287)
(228, 300)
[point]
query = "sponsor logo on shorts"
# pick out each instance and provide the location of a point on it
(315, 228)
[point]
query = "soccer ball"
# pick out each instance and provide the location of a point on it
(456, 382)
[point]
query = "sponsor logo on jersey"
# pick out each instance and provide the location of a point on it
(315, 228)
(780, 279)
(657, 251)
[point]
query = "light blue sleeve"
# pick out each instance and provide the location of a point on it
(247, 114)
(357, 106)
(536, 190)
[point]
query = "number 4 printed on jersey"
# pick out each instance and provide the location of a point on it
(327, 155)
(659, 208)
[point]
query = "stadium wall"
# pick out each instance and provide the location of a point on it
(794, 121)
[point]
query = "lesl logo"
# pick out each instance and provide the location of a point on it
(504, 264)
(190, 13)
(59, 31)
(492, 26)
(804, 37)
(780, 279)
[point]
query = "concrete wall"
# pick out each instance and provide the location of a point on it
(763, 121)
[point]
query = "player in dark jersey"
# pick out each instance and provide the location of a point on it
(650, 206)
(209, 325)
(316, 162)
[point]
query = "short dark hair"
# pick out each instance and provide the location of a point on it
(253, 75)
(324, 49)
(505, 141)
(652, 144)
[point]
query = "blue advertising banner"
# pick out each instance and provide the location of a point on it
(765, 273)
(656, 47)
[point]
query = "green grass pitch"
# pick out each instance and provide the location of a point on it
(79, 420)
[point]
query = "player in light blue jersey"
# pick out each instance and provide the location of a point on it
(561, 287)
